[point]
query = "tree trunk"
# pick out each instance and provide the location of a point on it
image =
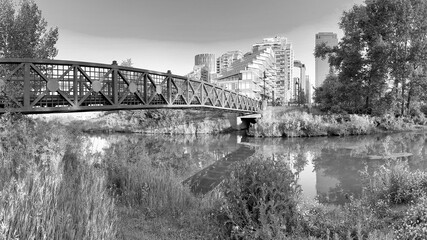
(408, 103)
(402, 112)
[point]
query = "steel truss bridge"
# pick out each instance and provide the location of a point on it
(48, 86)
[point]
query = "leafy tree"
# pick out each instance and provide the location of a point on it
(23, 32)
(381, 56)
(127, 63)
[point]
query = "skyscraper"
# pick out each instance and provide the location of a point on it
(254, 75)
(207, 60)
(322, 66)
(299, 80)
(226, 59)
(284, 64)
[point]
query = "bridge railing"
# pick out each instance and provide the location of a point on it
(37, 86)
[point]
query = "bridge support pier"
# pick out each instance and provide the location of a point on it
(242, 122)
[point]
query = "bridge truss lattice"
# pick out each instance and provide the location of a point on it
(46, 86)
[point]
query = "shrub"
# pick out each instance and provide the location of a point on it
(414, 222)
(359, 125)
(301, 124)
(389, 122)
(394, 183)
(354, 220)
(261, 199)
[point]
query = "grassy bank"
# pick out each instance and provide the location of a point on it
(302, 124)
(167, 121)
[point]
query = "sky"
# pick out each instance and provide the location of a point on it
(165, 35)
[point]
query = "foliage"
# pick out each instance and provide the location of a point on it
(393, 183)
(25, 143)
(46, 189)
(45, 206)
(137, 181)
(388, 122)
(127, 63)
(380, 56)
(414, 222)
(23, 33)
(261, 200)
(149, 190)
(300, 124)
(354, 220)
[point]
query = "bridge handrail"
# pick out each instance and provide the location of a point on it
(102, 65)
(80, 63)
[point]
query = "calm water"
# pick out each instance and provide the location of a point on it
(327, 167)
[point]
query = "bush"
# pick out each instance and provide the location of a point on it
(391, 123)
(301, 124)
(354, 220)
(393, 183)
(261, 200)
(360, 125)
(414, 223)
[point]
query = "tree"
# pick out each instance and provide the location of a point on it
(381, 55)
(127, 63)
(24, 32)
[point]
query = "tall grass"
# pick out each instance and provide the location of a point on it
(136, 181)
(47, 191)
(49, 207)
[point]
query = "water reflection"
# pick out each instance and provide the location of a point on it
(326, 167)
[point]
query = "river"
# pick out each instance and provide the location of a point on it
(328, 168)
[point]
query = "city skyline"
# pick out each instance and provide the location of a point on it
(165, 35)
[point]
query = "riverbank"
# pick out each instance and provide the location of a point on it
(128, 194)
(158, 122)
(302, 124)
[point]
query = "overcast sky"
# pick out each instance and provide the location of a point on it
(166, 34)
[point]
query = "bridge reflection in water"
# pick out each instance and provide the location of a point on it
(210, 177)
(45, 86)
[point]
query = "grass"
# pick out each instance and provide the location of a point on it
(165, 121)
(46, 189)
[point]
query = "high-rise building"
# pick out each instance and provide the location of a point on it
(309, 90)
(200, 73)
(226, 59)
(322, 66)
(300, 82)
(284, 64)
(207, 60)
(254, 75)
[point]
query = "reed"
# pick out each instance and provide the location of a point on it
(46, 189)
(138, 183)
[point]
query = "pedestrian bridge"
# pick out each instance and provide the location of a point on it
(49, 86)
